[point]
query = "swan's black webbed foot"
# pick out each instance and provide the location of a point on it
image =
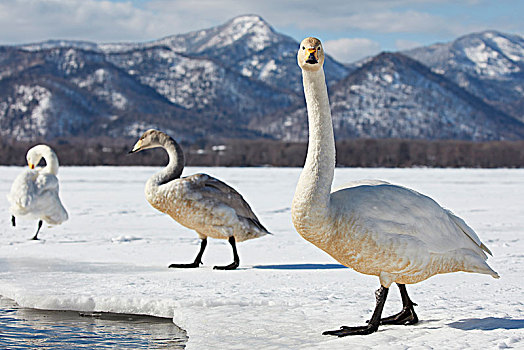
(236, 259)
(345, 331)
(381, 294)
(185, 266)
(13, 220)
(405, 317)
(231, 266)
(198, 259)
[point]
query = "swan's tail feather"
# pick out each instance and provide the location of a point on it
(257, 224)
(256, 228)
(487, 270)
(252, 228)
(474, 263)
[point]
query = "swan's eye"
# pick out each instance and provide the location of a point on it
(303, 48)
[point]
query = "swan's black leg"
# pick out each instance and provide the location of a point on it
(35, 237)
(198, 259)
(372, 326)
(407, 315)
(13, 220)
(236, 259)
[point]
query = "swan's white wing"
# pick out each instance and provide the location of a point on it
(468, 231)
(47, 182)
(23, 190)
(49, 204)
(395, 210)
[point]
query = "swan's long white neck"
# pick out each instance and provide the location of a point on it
(51, 161)
(172, 171)
(311, 200)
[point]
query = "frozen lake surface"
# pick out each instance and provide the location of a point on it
(112, 256)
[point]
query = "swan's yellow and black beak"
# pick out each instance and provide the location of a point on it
(31, 165)
(137, 147)
(312, 56)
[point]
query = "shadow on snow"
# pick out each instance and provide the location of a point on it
(300, 267)
(488, 324)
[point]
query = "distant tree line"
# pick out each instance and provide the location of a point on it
(263, 152)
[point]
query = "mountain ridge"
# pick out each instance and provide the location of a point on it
(240, 80)
(488, 64)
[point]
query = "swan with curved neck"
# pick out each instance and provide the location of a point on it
(34, 193)
(374, 227)
(199, 202)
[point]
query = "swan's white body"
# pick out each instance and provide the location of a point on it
(374, 227)
(34, 193)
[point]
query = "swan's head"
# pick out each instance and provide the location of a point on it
(35, 154)
(310, 55)
(150, 139)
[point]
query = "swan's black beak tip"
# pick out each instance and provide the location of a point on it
(312, 59)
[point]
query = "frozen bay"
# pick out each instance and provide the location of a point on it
(112, 255)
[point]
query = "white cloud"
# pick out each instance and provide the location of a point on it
(137, 20)
(349, 50)
(35, 20)
(395, 22)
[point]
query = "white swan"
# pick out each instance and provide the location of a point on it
(199, 202)
(34, 193)
(374, 227)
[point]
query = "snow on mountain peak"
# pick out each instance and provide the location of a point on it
(491, 53)
(249, 20)
(259, 33)
(513, 48)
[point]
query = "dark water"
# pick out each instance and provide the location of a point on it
(22, 328)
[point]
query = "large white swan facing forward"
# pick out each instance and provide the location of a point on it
(34, 193)
(199, 202)
(374, 227)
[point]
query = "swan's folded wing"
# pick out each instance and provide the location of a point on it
(46, 182)
(397, 210)
(215, 190)
(23, 190)
(468, 231)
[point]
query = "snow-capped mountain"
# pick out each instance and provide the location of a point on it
(489, 65)
(246, 44)
(395, 96)
(250, 46)
(69, 92)
(240, 79)
(208, 83)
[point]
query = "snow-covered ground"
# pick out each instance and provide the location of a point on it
(112, 255)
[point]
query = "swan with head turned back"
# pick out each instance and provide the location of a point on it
(199, 202)
(34, 193)
(374, 227)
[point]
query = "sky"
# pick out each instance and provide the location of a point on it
(349, 29)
